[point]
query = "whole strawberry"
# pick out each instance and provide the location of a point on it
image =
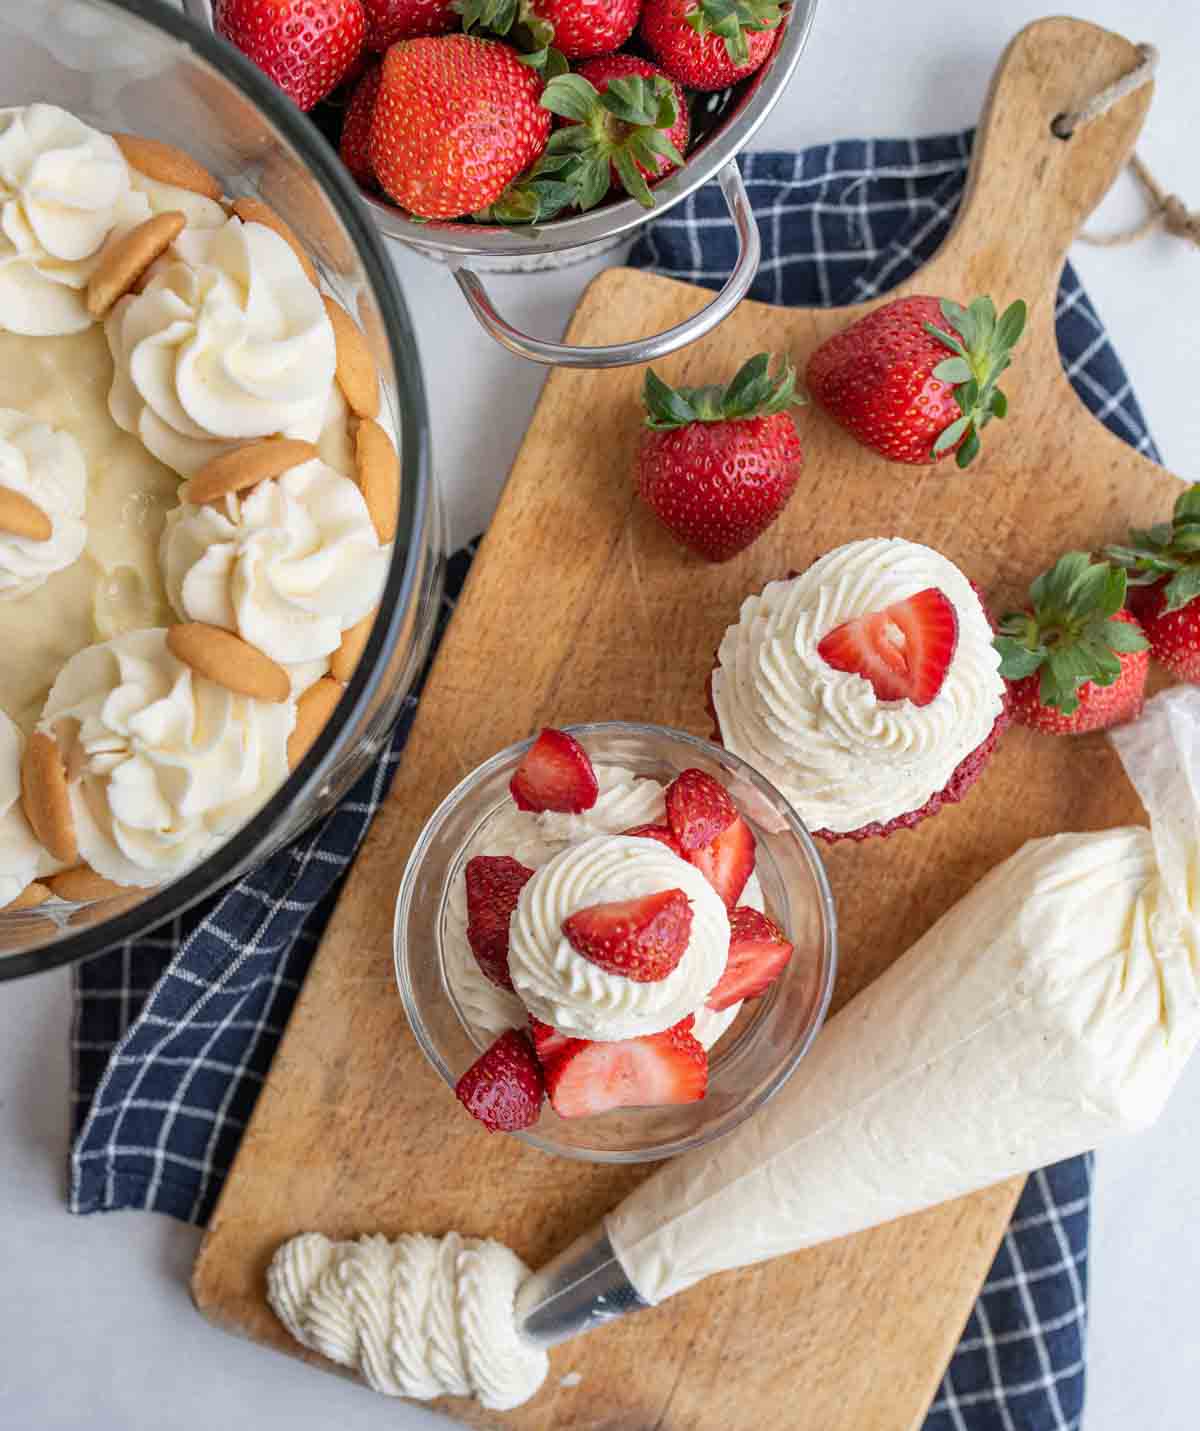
(1163, 566)
(583, 28)
(354, 145)
(392, 20)
(457, 118)
(306, 46)
(916, 378)
(1075, 660)
(709, 44)
(717, 465)
(576, 29)
(627, 126)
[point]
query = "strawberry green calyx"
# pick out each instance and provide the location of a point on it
(1169, 550)
(981, 345)
(731, 19)
(626, 126)
(1072, 634)
(517, 22)
(754, 392)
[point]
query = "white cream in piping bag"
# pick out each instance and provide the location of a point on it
(1054, 1006)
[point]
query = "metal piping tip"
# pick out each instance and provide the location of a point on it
(583, 1287)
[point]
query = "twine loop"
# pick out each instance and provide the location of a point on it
(1164, 210)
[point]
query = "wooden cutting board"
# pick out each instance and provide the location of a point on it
(579, 608)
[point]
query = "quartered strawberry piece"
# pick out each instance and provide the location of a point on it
(698, 809)
(548, 1043)
(555, 774)
(661, 833)
(758, 952)
(651, 1072)
(494, 883)
(728, 862)
(504, 1087)
(641, 939)
(904, 650)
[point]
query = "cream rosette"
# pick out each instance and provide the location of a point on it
(163, 764)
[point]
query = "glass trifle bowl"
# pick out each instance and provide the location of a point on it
(454, 1020)
(141, 67)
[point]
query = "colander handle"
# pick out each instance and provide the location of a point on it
(640, 350)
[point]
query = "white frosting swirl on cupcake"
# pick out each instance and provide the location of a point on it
(843, 757)
(47, 466)
(561, 987)
(227, 342)
(64, 188)
(21, 857)
(163, 764)
(288, 565)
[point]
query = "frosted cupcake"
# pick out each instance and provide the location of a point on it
(866, 688)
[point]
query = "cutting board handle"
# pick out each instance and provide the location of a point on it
(1029, 192)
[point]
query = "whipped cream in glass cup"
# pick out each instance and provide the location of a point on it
(454, 1018)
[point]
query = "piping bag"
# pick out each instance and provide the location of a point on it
(1054, 1006)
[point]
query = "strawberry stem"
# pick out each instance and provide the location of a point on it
(981, 346)
(1168, 550)
(1072, 632)
(753, 392)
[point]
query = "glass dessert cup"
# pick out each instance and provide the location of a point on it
(140, 66)
(757, 1054)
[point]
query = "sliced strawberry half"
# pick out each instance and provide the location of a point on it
(661, 833)
(698, 809)
(641, 939)
(758, 952)
(904, 650)
(548, 1043)
(651, 1072)
(728, 862)
(555, 774)
(504, 1087)
(494, 883)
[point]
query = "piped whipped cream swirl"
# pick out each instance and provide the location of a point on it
(64, 188)
(163, 764)
(843, 757)
(563, 988)
(625, 801)
(47, 466)
(420, 1317)
(289, 565)
(228, 341)
(21, 857)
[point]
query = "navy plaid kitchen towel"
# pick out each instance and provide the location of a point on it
(174, 1033)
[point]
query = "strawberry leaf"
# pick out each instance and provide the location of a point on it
(570, 97)
(968, 452)
(952, 370)
(950, 435)
(632, 178)
(1018, 661)
(1124, 636)
(665, 407)
(1183, 588)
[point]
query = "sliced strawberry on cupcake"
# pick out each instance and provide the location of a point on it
(654, 1071)
(1075, 660)
(758, 953)
(494, 884)
(504, 1088)
(642, 939)
(556, 773)
(1162, 565)
(904, 651)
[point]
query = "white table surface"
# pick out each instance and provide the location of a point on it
(95, 1321)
